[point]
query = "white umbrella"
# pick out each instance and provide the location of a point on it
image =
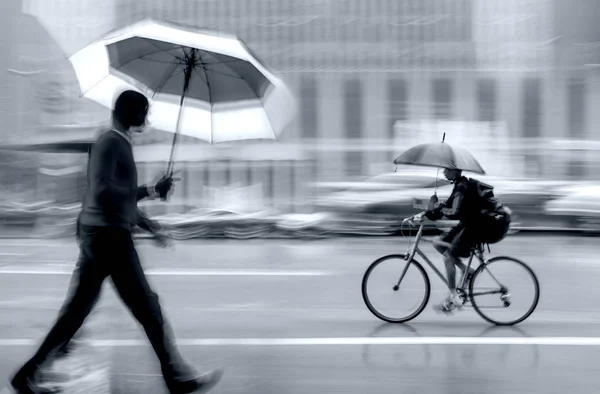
(203, 84)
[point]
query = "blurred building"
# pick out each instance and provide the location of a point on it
(360, 68)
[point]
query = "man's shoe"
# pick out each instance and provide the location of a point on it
(22, 384)
(200, 385)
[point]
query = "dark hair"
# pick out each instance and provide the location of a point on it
(131, 109)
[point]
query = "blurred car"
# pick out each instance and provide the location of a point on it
(404, 179)
(406, 194)
(218, 224)
(577, 207)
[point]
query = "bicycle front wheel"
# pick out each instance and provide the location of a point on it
(395, 290)
(504, 291)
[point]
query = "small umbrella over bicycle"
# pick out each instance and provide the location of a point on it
(440, 155)
(401, 279)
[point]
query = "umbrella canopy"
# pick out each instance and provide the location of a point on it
(441, 155)
(203, 84)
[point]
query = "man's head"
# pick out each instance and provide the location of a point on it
(131, 109)
(452, 174)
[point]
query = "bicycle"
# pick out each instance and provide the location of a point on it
(470, 291)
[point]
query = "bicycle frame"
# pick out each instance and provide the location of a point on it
(415, 250)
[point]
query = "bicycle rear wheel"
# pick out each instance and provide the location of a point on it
(389, 300)
(504, 291)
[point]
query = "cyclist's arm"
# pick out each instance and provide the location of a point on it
(454, 206)
(436, 212)
(453, 211)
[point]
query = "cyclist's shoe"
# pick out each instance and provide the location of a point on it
(452, 303)
(462, 295)
(444, 307)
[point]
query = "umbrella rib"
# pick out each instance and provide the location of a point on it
(225, 61)
(96, 84)
(170, 73)
(174, 74)
(224, 74)
(144, 55)
(241, 77)
(209, 98)
(202, 78)
(207, 83)
(175, 46)
(161, 62)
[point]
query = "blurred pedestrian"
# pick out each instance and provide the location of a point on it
(107, 249)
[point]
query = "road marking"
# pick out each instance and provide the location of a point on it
(161, 272)
(37, 244)
(12, 254)
(540, 341)
(183, 272)
(46, 262)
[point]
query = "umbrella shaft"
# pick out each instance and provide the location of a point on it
(186, 83)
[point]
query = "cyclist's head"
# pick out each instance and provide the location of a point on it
(452, 174)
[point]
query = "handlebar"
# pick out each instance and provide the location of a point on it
(415, 218)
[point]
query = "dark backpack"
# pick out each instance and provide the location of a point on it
(483, 200)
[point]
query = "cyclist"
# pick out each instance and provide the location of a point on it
(482, 219)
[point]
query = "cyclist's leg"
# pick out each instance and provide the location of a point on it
(451, 261)
(448, 246)
(441, 245)
(444, 241)
(470, 237)
(452, 300)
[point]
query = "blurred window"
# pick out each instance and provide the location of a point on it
(486, 99)
(577, 109)
(397, 106)
(576, 169)
(309, 97)
(532, 88)
(397, 100)
(353, 126)
(442, 98)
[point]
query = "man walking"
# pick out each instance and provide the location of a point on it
(107, 250)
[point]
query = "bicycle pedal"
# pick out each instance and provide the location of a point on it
(444, 310)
